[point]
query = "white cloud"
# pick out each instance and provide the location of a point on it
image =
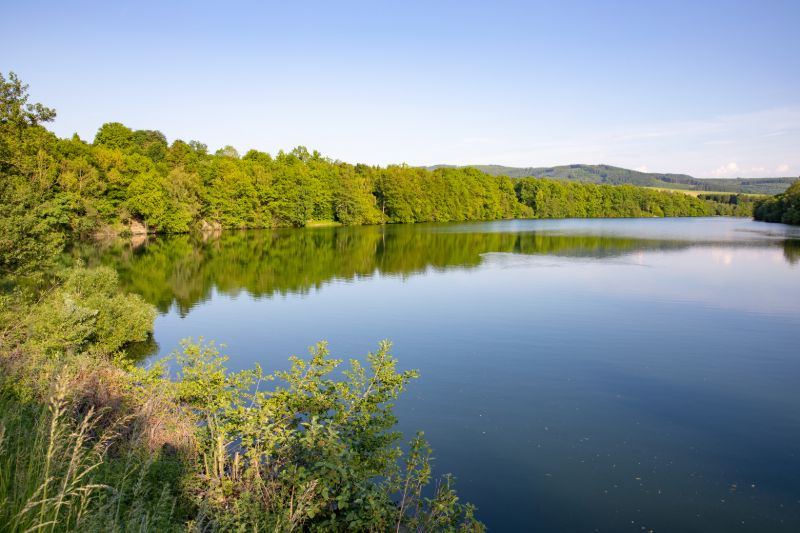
(737, 145)
(726, 170)
(642, 168)
(733, 170)
(782, 169)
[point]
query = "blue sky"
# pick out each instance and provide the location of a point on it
(706, 88)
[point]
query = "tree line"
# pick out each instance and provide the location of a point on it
(606, 174)
(127, 175)
(780, 208)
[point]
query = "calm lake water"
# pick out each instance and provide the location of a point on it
(576, 375)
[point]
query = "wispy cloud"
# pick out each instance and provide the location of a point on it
(726, 170)
(733, 170)
(756, 144)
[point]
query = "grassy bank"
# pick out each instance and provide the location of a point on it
(92, 442)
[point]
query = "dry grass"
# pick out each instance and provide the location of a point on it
(698, 193)
(45, 475)
(84, 456)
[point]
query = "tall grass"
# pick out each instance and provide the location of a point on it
(55, 474)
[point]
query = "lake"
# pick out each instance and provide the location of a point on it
(576, 375)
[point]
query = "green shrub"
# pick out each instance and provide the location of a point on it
(310, 452)
(86, 312)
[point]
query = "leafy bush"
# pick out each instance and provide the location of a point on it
(310, 452)
(87, 312)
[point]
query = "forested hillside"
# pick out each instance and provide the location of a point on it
(554, 199)
(135, 180)
(607, 174)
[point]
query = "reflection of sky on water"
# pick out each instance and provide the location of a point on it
(631, 385)
(687, 229)
(745, 279)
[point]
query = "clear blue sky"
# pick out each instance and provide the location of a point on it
(706, 88)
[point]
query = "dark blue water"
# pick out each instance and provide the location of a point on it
(576, 375)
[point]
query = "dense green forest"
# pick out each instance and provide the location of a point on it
(607, 174)
(554, 199)
(89, 441)
(126, 177)
(781, 208)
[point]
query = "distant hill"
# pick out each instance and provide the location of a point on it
(623, 176)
